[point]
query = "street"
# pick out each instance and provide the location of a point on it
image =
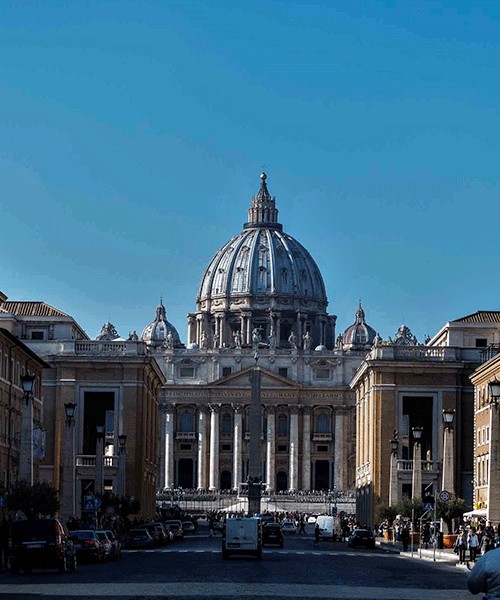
(193, 568)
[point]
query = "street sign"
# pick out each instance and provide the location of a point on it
(97, 503)
(428, 506)
(444, 496)
(3, 501)
(91, 503)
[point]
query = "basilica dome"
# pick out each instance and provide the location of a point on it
(262, 279)
(160, 331)
(359, 336)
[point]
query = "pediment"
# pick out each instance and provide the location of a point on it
(268, 380)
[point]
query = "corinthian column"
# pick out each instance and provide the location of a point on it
(202, 448)
(238, 443)
(169, 445)
(271, 448)
(341, 448)
(306, 450)
(214, 446)
(294, 447)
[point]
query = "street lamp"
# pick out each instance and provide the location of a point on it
(494, 387)
(417, 463)
(393, 482)
(122, 457)
(26, 450)
(68, 483)
(99, 449)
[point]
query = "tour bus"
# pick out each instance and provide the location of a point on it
(242, 536)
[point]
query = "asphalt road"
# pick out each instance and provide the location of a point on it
(194, 568)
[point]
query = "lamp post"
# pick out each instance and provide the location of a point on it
(122, 460)
(416, 488)
(26, 451)
(68, 482)
(494, 467)
(393, 482)
(99, 471)
(448, 475)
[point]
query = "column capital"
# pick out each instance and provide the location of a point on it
(167, 407)
(215, 408)
(238, 408)
(295, 409)
(270, 410)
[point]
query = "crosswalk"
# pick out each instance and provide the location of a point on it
(266, 552)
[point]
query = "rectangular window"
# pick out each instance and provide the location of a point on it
(226, 447)
(186, 372)
(185, 446)
(226, 371)
(322, 373)
(478, 437)
(322, 448)
(37, 335)
(282, 447)
(481, 342)
(283, 372)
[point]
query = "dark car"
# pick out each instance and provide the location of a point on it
(272, 535)
(139, 538)
(39, 544)
(106, 544)
(116, 551)
(87, 545)
(361, 538)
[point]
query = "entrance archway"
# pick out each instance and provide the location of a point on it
(322, 475)
(281, 481)
(186, 473)
(225, 480)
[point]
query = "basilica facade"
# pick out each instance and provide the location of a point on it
(261, 301)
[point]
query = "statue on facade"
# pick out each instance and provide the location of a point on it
(237, 338)
(215, 340)
(133, 337)
(339, 342)
(108, 333)
(256, 338)
(169, 341)
(272, 339)
(292, 339)
(203, 341)
(404, 337)
(377, 340)
(306, 341)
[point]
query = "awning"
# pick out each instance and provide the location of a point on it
(480, 512)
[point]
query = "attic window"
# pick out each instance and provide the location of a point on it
(186, 372)
(322, 373)
(37, 335)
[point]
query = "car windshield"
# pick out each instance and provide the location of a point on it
(34, 530)
(83, 535)
(102, 537)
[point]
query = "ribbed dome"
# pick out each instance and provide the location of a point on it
(262, 259)
(157, 332)
(359, 336)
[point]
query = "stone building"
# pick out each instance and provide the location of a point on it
(261, 293)
(402, 385)
(114, 383)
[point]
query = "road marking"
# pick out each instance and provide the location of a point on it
(230, 590)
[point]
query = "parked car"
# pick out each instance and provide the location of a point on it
(106, 544)
(116, 545)
(87, 545)
(361, 537)
(41, 543)
(176, 528)
(163, 534)
(288, 527)
(153, 532)
(272, 535)
(311, 519)
(188, 526)
(139, 538)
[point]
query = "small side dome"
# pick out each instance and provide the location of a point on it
(160, 331)
(320, 348)
(359, 336)
(193, 346)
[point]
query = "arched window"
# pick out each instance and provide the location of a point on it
(282, 425)
(227, 424)
(322, 424)
(186, 422)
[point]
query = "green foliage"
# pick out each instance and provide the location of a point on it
(408, 507)
(122, 505)
(39, 499)
(383, 512)
(453, 509)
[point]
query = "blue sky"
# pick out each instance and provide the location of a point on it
(132, 134)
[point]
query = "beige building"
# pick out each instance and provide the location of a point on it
(487, 436)
(402, 385)
(114, 383)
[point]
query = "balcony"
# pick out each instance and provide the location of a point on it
(88, 460)
(427, 465)
(185, 435)
(322, 437)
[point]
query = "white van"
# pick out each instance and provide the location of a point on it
(330, 528)
(242, 536)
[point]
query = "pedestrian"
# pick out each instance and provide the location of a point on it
(405, 538)
(302, 524)
(461, 546)
(211, 526)
(473, 544)
(485, 576)
(316, 535)
(4, 543)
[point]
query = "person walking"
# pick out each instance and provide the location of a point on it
(461, 546)
(316, 535)
(485, 576)
(473, 544)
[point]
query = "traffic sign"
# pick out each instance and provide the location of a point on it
(3, 501)
(444, 496)
(427, 506)
(97, 503)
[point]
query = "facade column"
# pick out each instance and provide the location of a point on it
(341, 448)
(448, 482)
(68, 508)
(242, 329)
(393, 483)
(202, 448)
(169, 446)
(26, 450)
(214, 446)
(416, 487)
(99, 460)
(238, 445)
(278, 329)
(271, 448)
(191, 327)
(294, 447)
(249, 330)
(306, 450)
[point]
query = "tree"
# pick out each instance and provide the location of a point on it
(410, 507)
(39, 499)
(384, 512)
(451, 510)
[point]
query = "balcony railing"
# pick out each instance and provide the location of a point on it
(427, 465)
(185, 435)
(489, 352)
(322, 437)
(88, 460)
